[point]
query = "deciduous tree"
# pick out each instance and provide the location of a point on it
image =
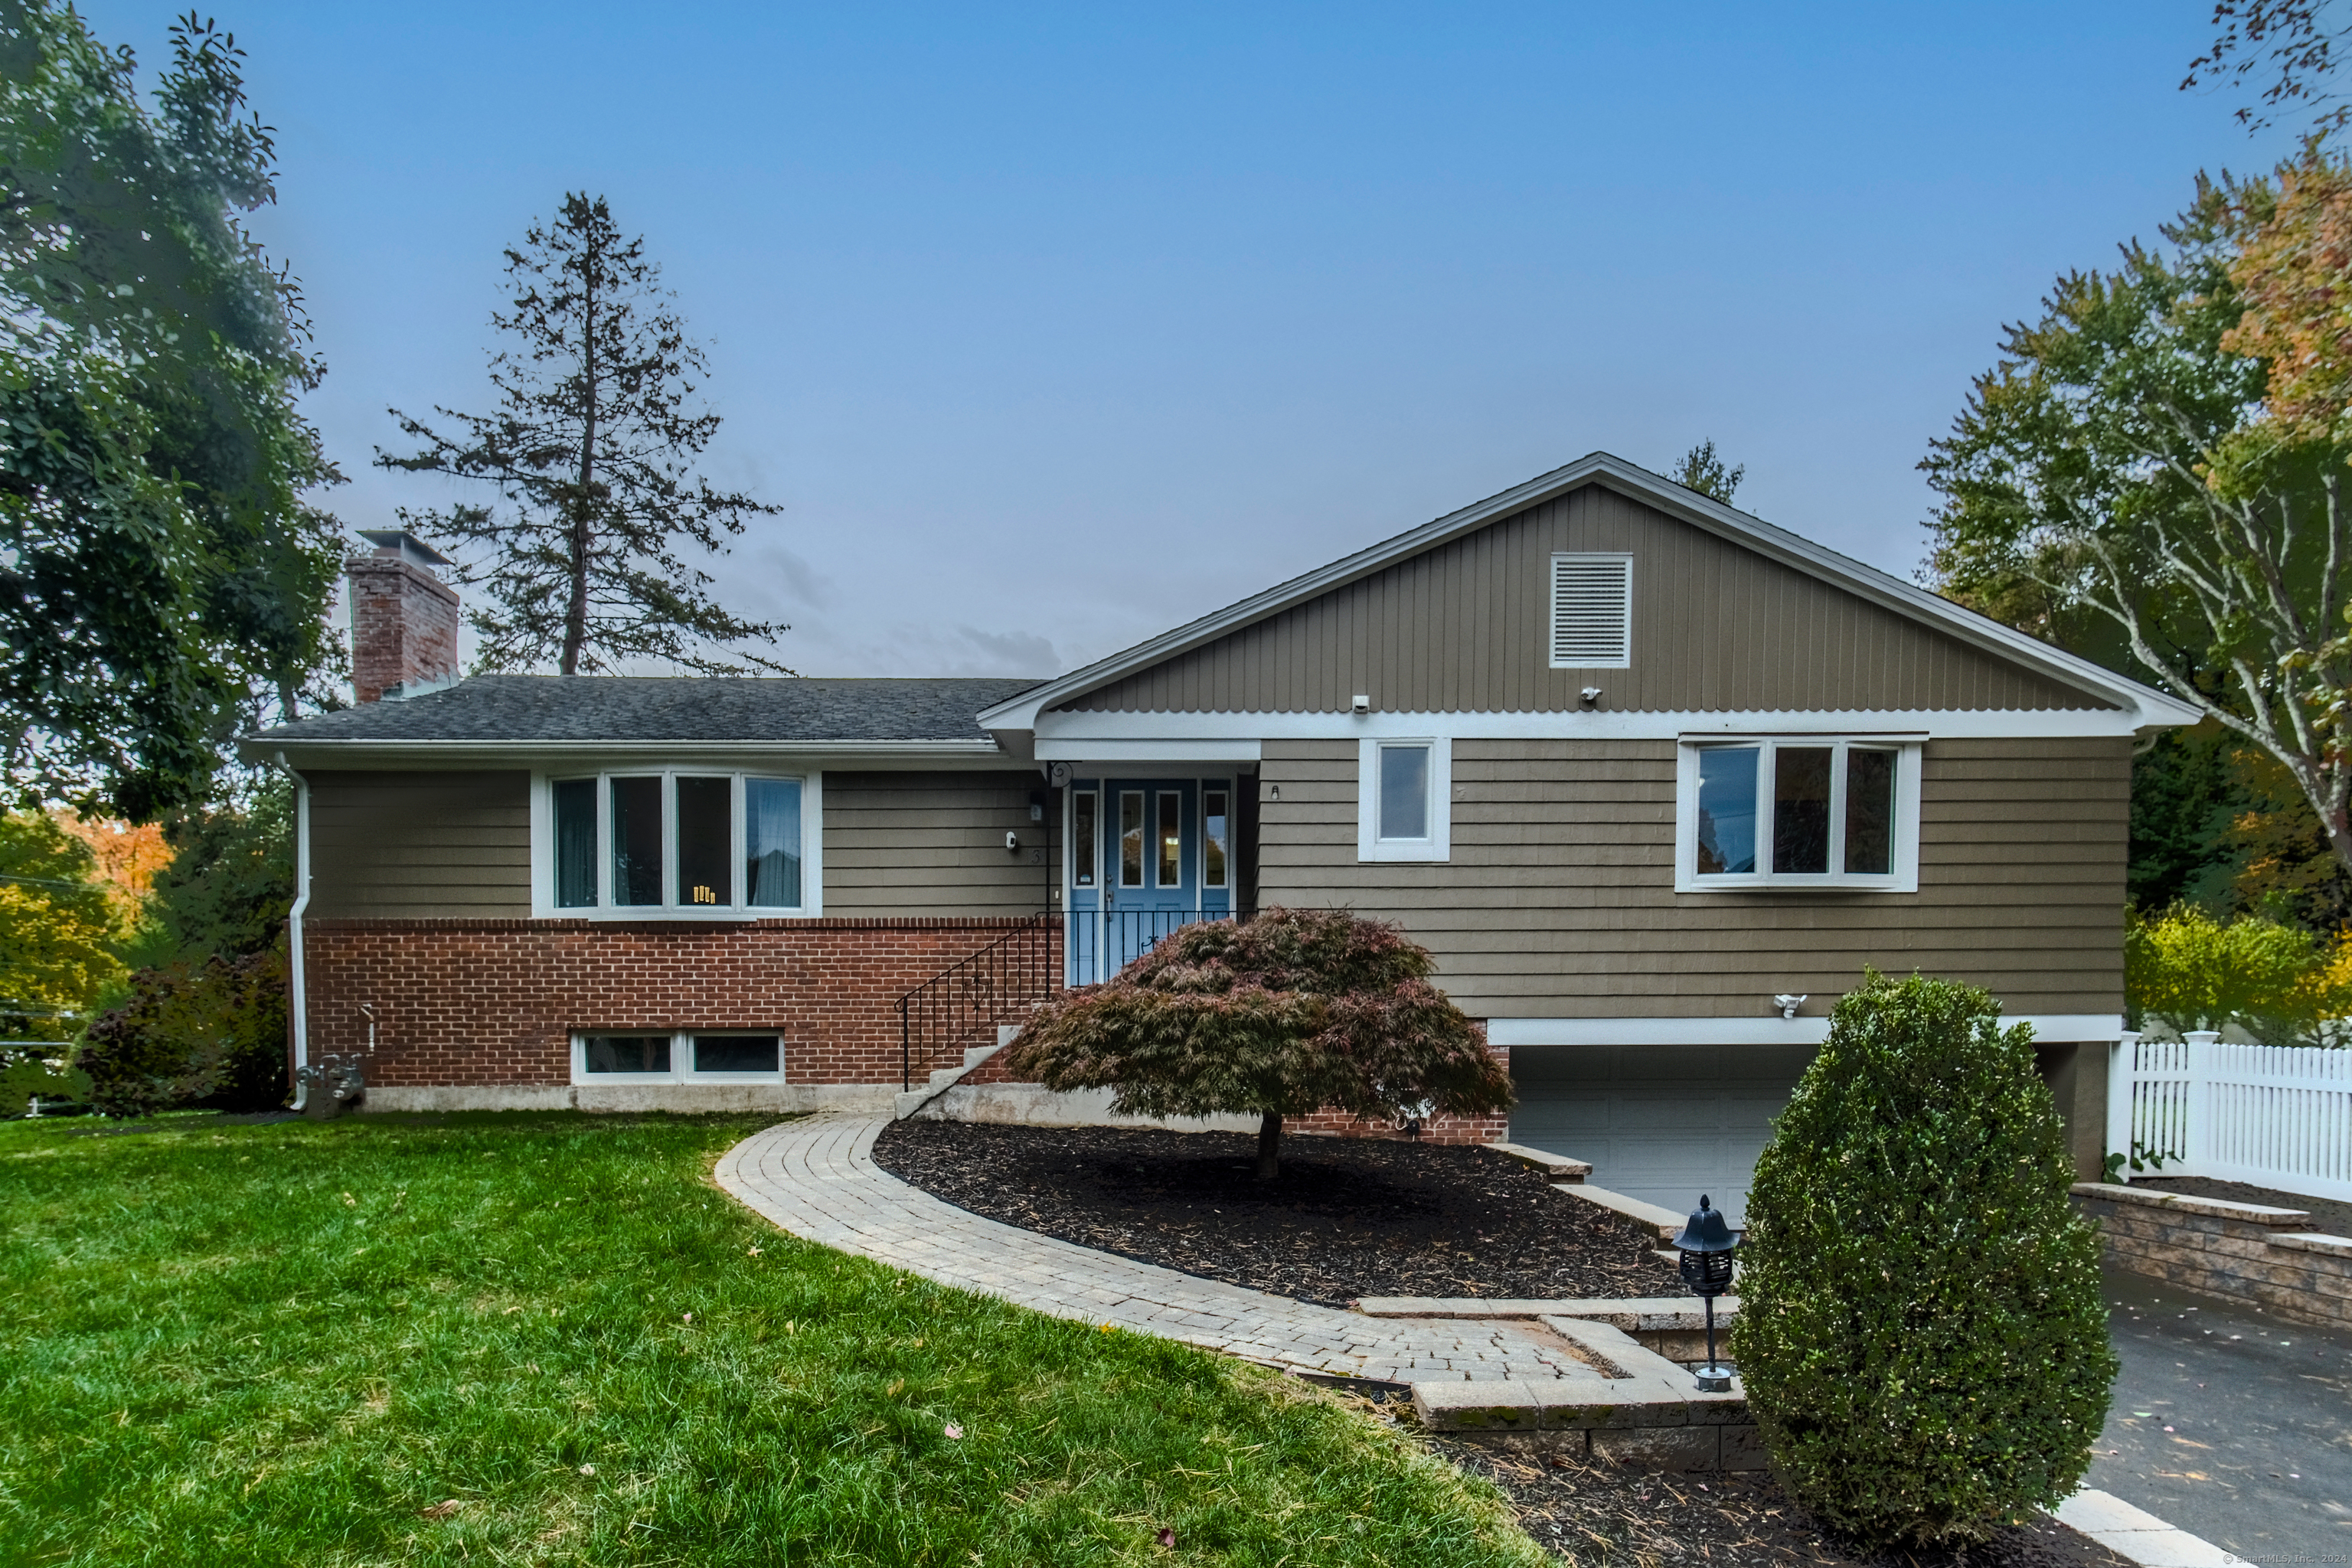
(1703, 471)
(162, 574)
(590, 451)
(1281, 1015)
(2113, 484)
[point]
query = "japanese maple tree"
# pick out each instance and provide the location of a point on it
(1287, 1013)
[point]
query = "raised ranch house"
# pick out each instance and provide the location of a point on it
(1653, 779)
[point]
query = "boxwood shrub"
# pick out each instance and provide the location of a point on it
(1921, 1332)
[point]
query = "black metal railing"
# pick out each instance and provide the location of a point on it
(965, 1004)
(1098, 943)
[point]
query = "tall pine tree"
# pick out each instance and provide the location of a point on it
(591, 450)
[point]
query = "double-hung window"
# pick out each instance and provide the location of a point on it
(678, 843)
(1798, 811)
(1403, 789)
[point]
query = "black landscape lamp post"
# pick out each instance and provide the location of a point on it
(1706, 1244)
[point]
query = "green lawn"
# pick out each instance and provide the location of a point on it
(295, 1342)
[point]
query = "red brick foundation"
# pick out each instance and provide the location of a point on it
(495, 1001)
(464, 1003)
(1440, 1129)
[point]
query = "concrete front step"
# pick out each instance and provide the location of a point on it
(908, 1101)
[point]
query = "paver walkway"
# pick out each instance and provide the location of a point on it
(816, 1178)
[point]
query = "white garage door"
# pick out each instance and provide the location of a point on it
(1662, 1124)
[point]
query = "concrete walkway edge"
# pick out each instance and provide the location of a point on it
(2139, 1536)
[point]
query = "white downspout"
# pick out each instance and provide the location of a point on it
(296, 991)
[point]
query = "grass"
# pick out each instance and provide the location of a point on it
(524, 1338)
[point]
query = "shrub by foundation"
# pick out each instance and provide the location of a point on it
(1921, 1332)
(212, 1034)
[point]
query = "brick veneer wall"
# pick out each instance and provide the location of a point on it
(494, 1002)
(2265, 1257)
(464, 1003)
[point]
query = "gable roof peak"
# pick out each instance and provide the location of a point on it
(2154, 708)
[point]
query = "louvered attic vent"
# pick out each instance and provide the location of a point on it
(1591, 612)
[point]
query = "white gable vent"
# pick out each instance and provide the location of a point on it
(1591, 612)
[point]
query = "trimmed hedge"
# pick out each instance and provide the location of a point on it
(1921, 1330)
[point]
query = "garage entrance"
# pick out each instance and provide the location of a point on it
(1662, 1124)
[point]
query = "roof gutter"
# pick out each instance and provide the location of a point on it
(351, 751)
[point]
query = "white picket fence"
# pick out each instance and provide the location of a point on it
(2272, 1116)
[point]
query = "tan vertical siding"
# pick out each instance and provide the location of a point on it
(933, 844)
(1558, 900)
(1464, 628)
(419, 844)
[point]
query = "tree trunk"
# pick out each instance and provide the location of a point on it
(575, 613)
(1269, 1146)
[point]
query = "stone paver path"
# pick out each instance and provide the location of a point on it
(816, 1178)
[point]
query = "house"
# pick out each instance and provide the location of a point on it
(1655, 780)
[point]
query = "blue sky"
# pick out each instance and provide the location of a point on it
(1051, 328)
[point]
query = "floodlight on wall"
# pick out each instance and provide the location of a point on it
(1592, 694)
(1789, 1004)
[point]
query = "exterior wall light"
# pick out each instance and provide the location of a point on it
(1706, 1244)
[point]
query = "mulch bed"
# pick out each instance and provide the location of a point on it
(1347, 1217)
(1598, 1513)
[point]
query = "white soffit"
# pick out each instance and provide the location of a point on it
(1211, 750)
(2147, 706)
(2056, 1028)
(1074, 735)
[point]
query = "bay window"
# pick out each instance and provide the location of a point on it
(676, 844)
(1797, 812)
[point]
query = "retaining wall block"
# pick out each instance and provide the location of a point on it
(1661, 1448)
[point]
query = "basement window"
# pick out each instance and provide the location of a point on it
(676, 844)
(1798, 811)
(686, 1056)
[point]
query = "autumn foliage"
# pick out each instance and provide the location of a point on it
(1289, 1013)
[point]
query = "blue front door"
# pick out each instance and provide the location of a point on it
(1161, 858)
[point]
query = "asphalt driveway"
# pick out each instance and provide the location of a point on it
(2229, 1424)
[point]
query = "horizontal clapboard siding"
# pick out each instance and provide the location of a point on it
(1465, 627)
(388, 845)
(933, 844)
(1558, 900)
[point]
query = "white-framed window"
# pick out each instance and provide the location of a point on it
(1591, 610)
(682, 1056)
(1797, 811)
(680, 842)
(1404, 788)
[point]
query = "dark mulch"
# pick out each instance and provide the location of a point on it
(1347, 1217)
(1600, 1513)
(2326, 1214)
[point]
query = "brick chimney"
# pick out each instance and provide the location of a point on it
(404, 618)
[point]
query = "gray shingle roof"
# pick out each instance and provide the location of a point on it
(551, 708)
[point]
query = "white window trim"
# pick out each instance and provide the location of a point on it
(681, 1053)
(1905, 876)
(1551, 591)
(1438, 846)
(1225, 889)
(543, 843)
